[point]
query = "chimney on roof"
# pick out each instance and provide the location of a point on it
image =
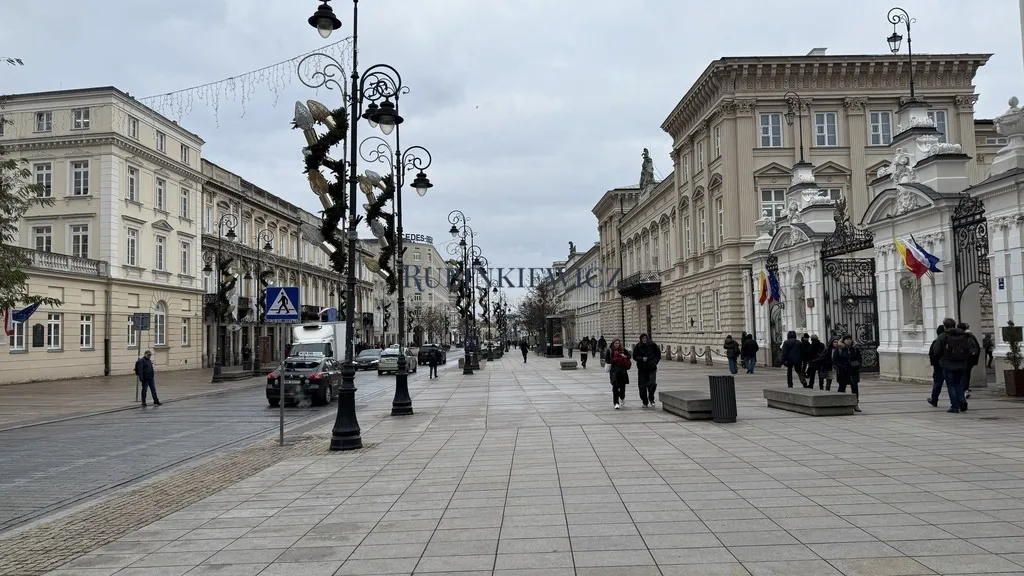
(817, 52)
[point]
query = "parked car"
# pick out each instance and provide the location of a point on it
(389, 361)
(423, 358)
(315, 380)
(368, 359)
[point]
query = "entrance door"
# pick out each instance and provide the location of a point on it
(648, 320)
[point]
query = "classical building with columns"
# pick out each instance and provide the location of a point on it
(738, 135)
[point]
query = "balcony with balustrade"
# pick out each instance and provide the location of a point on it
(641, 285)
(64, 264)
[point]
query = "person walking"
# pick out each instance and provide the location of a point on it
(748, 350)
(812, 362)
(618, 361)
(584, 352)
(732, 352)
(602, 348)
(988, 344)
(570, 345)
(975, 356)
(147, 376)
(525, 349)
(792, 353)
(847, 358)
(934, 354)
(647, 355)
(433, 359)
(805, 355)
(954, 354)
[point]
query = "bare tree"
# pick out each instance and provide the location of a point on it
(541, 301)
(432, 320)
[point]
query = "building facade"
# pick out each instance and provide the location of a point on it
(120, 238)
(738, 134)
(579, 293)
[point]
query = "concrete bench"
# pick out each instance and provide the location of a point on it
(810, 401)
(689, 404)
(568, 364)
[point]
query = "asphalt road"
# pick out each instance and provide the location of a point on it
(48, 467)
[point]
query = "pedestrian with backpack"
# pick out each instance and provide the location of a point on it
(584, 350)
(975, 356)
(954, 357)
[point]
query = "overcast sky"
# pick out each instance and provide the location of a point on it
(532, 108)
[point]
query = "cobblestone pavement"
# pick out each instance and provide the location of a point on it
(50, 466)
(526, 470)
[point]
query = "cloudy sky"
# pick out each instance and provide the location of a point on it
(532, 108)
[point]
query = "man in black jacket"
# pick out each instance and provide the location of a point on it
(812, 362)
(647, 355)
(147, 375)
(934, 353)
(792, 356)
(954, 354)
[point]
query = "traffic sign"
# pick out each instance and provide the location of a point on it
(282, 304)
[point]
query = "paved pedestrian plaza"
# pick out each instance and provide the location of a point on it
(526, 470)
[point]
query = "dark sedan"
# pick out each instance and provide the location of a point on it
(423, 358)
(313, 380)
(368, 359)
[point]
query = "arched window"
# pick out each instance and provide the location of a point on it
(160, 325)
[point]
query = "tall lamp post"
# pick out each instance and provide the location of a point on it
(264, 239)
(896, 17)
(460, 229)
(211, 259)
(482, 263)
(794, 101)
(400, 162)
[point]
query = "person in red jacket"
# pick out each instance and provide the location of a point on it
(619, 363)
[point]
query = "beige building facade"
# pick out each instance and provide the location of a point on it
(579, 293)
(683, 242)
(122, 237)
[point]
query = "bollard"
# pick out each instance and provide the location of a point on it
(723, 398)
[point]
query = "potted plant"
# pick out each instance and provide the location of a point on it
(1014, 378)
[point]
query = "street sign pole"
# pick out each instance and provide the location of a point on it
(280, 379)
(282, 306)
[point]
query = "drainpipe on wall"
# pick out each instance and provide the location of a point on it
(107, 314)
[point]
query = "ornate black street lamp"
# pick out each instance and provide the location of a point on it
(211, 259)
(460, 229)
(400, 162)
(794, 101)
(264, 239)
(484, 265)
(896, 17)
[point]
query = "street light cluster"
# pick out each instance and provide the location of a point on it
(373, 97)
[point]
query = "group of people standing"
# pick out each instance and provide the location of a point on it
(618, 361)
(742, 353)
(954, 354)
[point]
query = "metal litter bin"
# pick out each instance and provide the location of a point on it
(723, 398)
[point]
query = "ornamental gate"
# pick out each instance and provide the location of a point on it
(970, 260)
(850, 303)
(776, 327)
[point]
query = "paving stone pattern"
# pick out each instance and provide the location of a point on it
(527, 470)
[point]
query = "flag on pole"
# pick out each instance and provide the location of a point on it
(774, 290)
(9, 322)
(22, 316)
(931, 259)
(914, 262)
(764, 289)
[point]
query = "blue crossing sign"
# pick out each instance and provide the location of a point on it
(282, 304)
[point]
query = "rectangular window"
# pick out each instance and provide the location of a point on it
(44, 179)
(184, 331)
(185, 209)
(3, 122)
(132, 333)
(44, 121)
(209, 219)
(43, 238)
(881, 128)
(700, 156)
(184, 154)
(999, 141)
(53, 332)
(702, 222)
(131, 248)
(80, 240)
(773, 202)
(686, 236)
(161, 142)
(133, 184)
(939, 117)
(718, 308)
(700, 313)
(159, 328)
(718, 141)
(85, 332)
(720, 223)
(771, 130)
(244, 236)
(161, 194)
(161, 253)
(833, 193)
(80, 178)
(416, 256)
(186, 256)
(18, 338)
(685, 167)
(133, 127)
(825, 130)
(80, 119)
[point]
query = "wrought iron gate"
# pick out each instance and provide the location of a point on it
(850, 303)
(776, 310)
(970, 251)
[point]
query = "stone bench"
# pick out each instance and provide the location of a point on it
(568, 364)
(689, 404)
(811, 402)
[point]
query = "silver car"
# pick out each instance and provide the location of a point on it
(389, 361)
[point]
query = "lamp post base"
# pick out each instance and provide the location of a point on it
(218, 375)
(402, 404)
(346, 435)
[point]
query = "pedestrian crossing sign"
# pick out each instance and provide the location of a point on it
(282, 304)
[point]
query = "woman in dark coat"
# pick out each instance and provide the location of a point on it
(748, 352)
(619, 363)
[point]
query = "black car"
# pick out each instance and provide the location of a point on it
(314, 380)
(423, 358)
(368, 359)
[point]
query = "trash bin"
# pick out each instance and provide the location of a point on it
(723, 398)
